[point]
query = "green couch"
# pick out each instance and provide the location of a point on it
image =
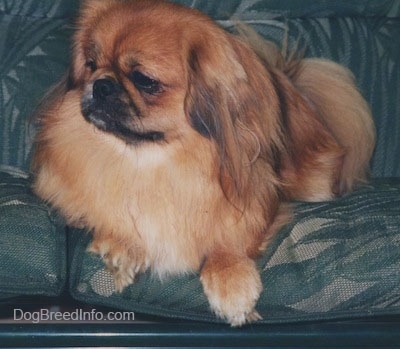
(332, 276)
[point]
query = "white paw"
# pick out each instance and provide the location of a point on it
(123, 262)
(233, 291)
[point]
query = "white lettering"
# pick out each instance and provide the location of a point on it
(78, 315)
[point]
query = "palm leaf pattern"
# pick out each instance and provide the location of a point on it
(337, 257)
(33, 54)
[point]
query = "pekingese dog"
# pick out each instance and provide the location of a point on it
(178, 144)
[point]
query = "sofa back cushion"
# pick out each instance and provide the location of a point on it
(362, 34)
(34, 52)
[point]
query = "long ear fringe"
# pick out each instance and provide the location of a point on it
(232, 101)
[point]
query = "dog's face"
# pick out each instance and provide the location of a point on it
(152, 72)
(135, 72)
(133, 78)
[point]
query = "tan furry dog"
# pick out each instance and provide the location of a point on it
(178, 143)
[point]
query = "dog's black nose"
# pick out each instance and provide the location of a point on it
(104, 88)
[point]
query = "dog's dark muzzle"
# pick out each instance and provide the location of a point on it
(104, 107)
(109, 108)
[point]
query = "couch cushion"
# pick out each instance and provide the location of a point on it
(334, 260)
(32, 241)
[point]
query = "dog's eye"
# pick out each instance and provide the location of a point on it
(91, 65)
(144, 83)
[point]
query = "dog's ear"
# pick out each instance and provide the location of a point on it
(78, 66)
(226, 102)
(82, 42)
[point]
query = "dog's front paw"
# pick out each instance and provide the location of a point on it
(123, 261)
(232, 285)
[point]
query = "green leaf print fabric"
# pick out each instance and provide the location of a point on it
(34, 52)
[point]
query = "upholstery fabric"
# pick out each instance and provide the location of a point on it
(335, 260)
(32, 241)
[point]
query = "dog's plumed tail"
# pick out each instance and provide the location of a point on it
(330, 89)
(330, 92)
